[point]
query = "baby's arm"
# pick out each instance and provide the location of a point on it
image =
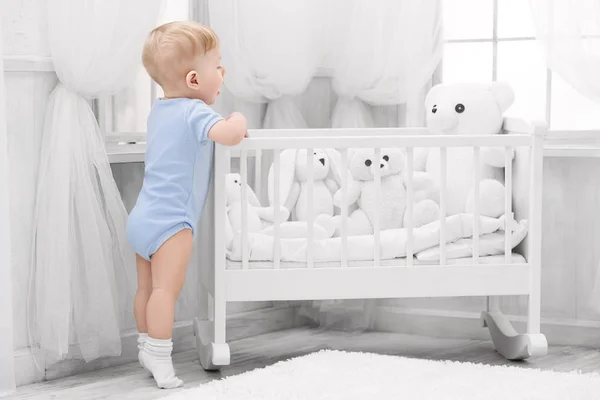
(206, 124)
(230, 131)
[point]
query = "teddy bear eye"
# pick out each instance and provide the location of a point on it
(434, 109)
(368, 163)
(460, 108)
(386, 158)
(236, 181)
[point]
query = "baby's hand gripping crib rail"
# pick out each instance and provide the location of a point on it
(390, 270)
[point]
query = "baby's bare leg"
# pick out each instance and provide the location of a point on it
(142, 295)
(168, 267)
(168, 275)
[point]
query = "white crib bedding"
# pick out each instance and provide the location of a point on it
(459, 243)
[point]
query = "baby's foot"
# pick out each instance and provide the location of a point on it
(156, 358)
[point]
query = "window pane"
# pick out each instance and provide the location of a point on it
(571, 110)
(467, 62)
(133, 104)
(521, 64)
(468, 19)
(514, 19)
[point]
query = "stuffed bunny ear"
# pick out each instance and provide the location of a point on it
(335, 165)
(252, 199)
(287, 173)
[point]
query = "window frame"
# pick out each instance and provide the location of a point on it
(558, 143)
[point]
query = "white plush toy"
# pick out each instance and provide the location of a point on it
(468, 109)
(261, 219)
(293, 182)
(392, 202)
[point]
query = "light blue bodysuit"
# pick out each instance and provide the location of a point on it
(177, 176)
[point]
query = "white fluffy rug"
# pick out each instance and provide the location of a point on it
(351, 376)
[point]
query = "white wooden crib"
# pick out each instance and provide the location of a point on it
(378, 279)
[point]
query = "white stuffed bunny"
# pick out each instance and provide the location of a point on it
(293, 182)
(261, 219)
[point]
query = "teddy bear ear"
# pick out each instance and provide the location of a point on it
(504, 94)
(432, 93)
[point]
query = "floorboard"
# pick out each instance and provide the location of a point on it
(131, 382)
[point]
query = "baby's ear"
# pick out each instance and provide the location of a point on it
(191, 80)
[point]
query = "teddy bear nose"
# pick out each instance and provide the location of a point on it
(322, 160)
(381, 165)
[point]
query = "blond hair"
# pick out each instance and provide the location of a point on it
(171, 49)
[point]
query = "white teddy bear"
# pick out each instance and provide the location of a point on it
(391, 203)
(468, 109)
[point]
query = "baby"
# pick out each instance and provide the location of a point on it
(184, 59)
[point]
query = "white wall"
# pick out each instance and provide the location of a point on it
(27, 94)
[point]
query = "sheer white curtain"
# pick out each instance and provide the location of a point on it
(7, 358)
(569, 32)
(383, 53)
(271, 49)
(80, 252)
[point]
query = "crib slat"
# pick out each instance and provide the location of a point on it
(277, 201)
(476, 181)
(258, 173)
(344, 209)
(376, 220)
(409, 205)
(508, 204)
(443, 196)
(244, 174)
(310, 206)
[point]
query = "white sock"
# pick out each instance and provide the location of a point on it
(142, 338)
(156, 358)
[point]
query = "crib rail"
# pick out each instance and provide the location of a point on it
(519, 135)
(376, 141)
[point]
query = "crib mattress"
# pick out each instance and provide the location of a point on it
(393, 244)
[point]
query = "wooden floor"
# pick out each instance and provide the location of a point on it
(131, 382)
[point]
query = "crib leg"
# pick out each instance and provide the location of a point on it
(508, 342)
(213, 351)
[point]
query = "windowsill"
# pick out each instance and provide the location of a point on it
(126, 153)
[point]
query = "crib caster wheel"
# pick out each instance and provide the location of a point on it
(212, 355)
(537, 345)
(512, 345)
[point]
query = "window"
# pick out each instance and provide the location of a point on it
(484, 40)
(129, 109)
(495, 40)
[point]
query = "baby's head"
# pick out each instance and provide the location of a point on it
(184, 59)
